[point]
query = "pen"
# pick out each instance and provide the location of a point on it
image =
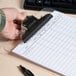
(25, 71)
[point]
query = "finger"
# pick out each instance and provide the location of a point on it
(22, 31)
(21, 16)
(17, 24)
(18, 34)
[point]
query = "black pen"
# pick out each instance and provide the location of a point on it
(25, 71)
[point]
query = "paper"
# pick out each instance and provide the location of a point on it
(53, 46)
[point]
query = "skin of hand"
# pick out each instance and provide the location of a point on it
(13, 29)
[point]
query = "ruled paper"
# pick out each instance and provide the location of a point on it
(53, 46)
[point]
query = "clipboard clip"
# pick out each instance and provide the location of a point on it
(32, 25)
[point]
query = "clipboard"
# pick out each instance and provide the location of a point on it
(53, 45)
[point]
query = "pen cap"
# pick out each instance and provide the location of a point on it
(25, 71)
(29, 21)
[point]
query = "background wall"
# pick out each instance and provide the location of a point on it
(11, 3)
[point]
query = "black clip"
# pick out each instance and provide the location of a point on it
(32, 24)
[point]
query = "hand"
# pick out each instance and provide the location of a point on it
(12, 26)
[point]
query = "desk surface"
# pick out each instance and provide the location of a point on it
(9, 63)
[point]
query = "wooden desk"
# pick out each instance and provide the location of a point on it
(9, 63)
